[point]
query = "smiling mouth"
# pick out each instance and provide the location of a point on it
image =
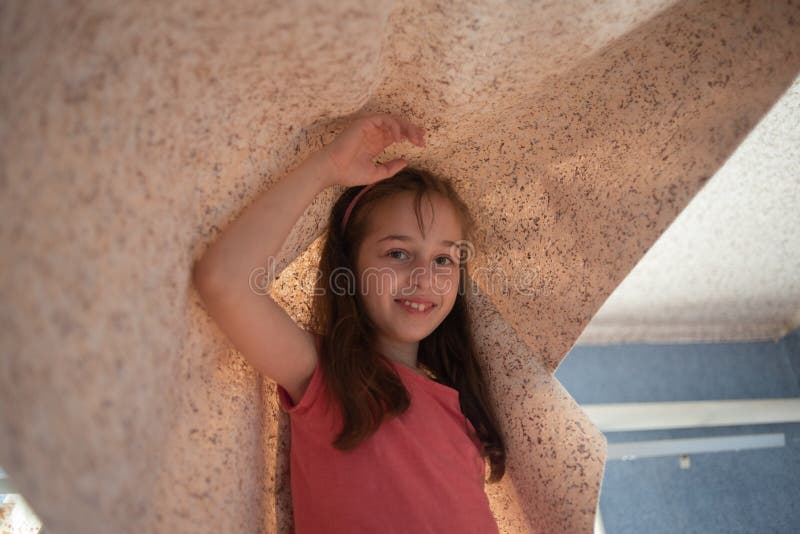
(415, 308)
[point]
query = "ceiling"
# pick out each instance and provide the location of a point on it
(728, 267)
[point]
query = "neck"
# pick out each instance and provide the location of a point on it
(399, 351)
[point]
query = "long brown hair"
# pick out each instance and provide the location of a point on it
(366, 387)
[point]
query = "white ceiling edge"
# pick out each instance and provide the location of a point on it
(728, 267)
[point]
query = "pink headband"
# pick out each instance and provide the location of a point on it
(353, 203)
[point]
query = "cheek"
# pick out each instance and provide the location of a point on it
(445, 283)
(378, 283)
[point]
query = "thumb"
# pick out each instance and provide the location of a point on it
(391, 168)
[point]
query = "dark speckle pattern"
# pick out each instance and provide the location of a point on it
(576, 131)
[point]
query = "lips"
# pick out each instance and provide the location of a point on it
(410, 309)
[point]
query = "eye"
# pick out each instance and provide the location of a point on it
(449, 261)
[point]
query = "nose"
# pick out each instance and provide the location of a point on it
(420, 275)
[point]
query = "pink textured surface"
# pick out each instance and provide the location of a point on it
(131, 133)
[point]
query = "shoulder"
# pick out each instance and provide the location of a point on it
(293, 394)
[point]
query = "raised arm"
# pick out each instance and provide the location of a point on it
(258, 327)
(265, 335)
(259, 231)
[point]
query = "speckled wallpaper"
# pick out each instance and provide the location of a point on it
(132, 132)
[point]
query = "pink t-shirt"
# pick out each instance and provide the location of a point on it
(420, 472)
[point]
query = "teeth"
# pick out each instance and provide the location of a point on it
(420, 307)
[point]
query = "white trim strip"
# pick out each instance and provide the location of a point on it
(599, 528)
(673, 447)
(662, 415)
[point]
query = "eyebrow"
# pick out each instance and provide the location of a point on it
(398, 237)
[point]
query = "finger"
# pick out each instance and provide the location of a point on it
(390, 168)
(409, 133)
(395, 126)
(413, 132)
(406, 128)
(390, 128)
(419, 136)
(389, 134)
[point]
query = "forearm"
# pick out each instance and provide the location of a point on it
(252, 240)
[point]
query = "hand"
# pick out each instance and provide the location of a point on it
(349, 157)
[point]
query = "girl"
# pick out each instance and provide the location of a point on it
(390, 418)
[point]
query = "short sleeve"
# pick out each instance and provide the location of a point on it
(309, 395)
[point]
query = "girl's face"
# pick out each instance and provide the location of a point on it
(395, 263)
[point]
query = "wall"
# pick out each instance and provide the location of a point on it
(724, 492)
(132, 133)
